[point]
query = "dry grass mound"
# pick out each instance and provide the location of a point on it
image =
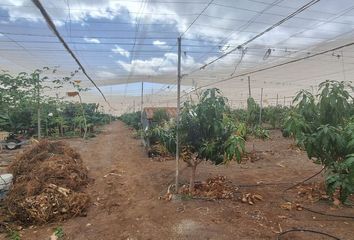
(48, 182)
(213, 188)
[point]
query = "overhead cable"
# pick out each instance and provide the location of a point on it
(303, 8)
(51, 25)
(275, 66)
(204, 9)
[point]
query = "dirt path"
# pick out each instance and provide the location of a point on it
(123, 191)
(127, 185)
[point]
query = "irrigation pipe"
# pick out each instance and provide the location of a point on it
(306, 231)
(309, 209)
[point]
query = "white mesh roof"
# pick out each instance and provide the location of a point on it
(124, 42)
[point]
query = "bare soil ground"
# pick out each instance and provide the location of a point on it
(127, 185)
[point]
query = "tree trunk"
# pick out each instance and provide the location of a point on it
(192, 178)
(84, 116)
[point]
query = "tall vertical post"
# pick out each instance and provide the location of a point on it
(277, 100)
(178, 110)
(38, 108)
(142, 107)
(261, 107)
(83, 115)
(249, 86)
(39, 121)
(284, 101)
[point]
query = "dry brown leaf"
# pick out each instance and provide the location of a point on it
(286, 206)
(258, 197)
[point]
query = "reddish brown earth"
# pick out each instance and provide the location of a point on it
(127, 186)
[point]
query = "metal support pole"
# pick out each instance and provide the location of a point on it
(38, 109)
(142, 103)
(39, 121)
(178, 110)
(142, 107)
(284, 101)
(277, 100)
(261, 107)
(249, 86)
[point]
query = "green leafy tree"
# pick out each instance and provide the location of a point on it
(253, 110)
(160, 116)
(208, 132)
(274, 115)
(323, 125)
(132, 119)
(22, 101)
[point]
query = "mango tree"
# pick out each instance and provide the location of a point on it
(207, 133)
(324, 126)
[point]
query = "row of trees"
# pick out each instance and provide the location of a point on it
(24, 106)
(322, 125)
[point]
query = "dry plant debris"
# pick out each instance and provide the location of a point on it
(158, 152)
(251, 198)
(290, 206)
(251, 157)
(49, 180)
(312, 192)
(213, 188)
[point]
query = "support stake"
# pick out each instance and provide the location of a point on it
(142, 109)
(249, 86)
(260, 110)
(178, 111)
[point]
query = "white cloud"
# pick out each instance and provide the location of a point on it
(180, 15)
(159, 65)
(91, 40)
(105, 74)
(224, 21)
(120, 51)
(160, 44)
(58, 10)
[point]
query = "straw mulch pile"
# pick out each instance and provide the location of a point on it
(49, 183)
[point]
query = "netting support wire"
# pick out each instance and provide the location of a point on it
(179, 40)
(51, 25)
(271, 67)
(303, 8)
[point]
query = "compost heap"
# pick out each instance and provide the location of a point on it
(49, 179)
(213, 188)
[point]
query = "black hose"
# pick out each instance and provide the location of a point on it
(306, 231)
(305, 180)
(309, 209)
(297, 184)
(327, 214)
